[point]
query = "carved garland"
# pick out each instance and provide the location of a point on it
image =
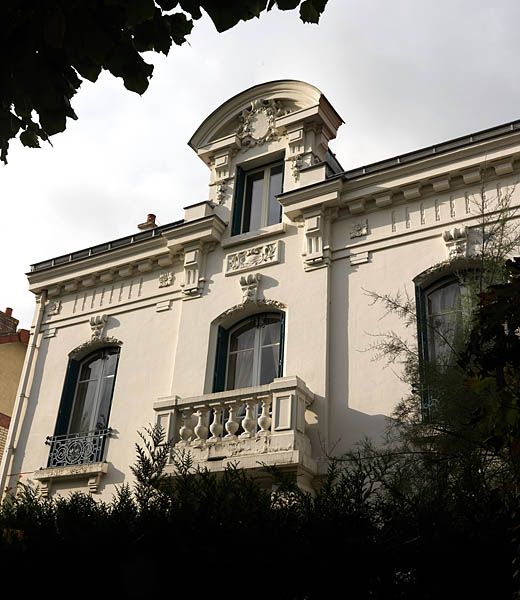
(240, 307)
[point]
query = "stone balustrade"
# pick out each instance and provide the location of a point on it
(267, 420)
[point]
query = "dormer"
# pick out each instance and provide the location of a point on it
(269, 139)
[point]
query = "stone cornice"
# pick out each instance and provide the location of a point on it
(120, 263)
(324, 194)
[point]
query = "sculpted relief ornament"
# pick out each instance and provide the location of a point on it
(258, 122)
(259, 256)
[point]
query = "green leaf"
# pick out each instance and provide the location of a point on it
(180, 26)
(29, 139)
(167, 4)
(139, 11)
(311, 10)
(54, 27)
(53, 121)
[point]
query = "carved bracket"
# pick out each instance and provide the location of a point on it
(316, 250)
(249, 284)
(97, 326)
(456, 240)
(194, 264)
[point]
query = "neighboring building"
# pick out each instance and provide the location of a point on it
(241, 328)
(13, 345)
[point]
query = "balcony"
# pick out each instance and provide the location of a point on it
(252, 427)
(75, 456)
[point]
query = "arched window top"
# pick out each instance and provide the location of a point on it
(87, 393)
(250, 352)
(94, 345)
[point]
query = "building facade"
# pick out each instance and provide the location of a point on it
(243, 328)
(13, 345)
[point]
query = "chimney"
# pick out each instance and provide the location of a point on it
(8, 323)
(148, 224)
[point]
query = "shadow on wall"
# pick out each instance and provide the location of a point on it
(350, 427)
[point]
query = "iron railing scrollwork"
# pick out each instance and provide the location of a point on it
(77, 448)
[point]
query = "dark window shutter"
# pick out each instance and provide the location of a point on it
(219, 378)
(238, 203)
(282, 344)
(422, 343)
(67, 398)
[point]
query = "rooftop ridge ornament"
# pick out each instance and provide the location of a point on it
(258, 122)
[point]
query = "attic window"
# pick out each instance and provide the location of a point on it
(255, 204)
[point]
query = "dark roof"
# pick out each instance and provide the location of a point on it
(429, 151)
(102, 248)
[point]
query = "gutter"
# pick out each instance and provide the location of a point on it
(24, 390)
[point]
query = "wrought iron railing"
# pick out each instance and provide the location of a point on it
(77, 448)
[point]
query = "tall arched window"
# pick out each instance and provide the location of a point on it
(83, 417)
(250, 353)
(94, 389)
(444, 320)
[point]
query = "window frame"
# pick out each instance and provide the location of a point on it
(70, 389)
(222, 354)
(243, 199)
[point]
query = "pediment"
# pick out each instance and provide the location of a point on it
(254, 115)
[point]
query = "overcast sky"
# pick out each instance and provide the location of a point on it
(402, 74)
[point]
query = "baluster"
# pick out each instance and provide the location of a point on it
(216, 427)
(231, 423)
(249, 421)
(264, 420)
(185, 432)
(201, 428)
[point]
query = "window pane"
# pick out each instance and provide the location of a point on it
(240, 370)
(91, 369)
(107, 388)
(271, 331)
(269, 364)
(84, 406)
(253, 202)
(243, 338)
(445, 322)
(274, 213)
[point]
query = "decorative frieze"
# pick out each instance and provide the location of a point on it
(252, 258)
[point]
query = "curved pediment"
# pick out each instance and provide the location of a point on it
(255, 114)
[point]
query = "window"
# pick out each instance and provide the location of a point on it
(250, 353)
(82, 424)
(93, 394)
(256, 205)
(444, 321)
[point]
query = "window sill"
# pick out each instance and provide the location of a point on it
(259, 234)
(92, 472)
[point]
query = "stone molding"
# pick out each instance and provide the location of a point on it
(239, 308)
(91, 472)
